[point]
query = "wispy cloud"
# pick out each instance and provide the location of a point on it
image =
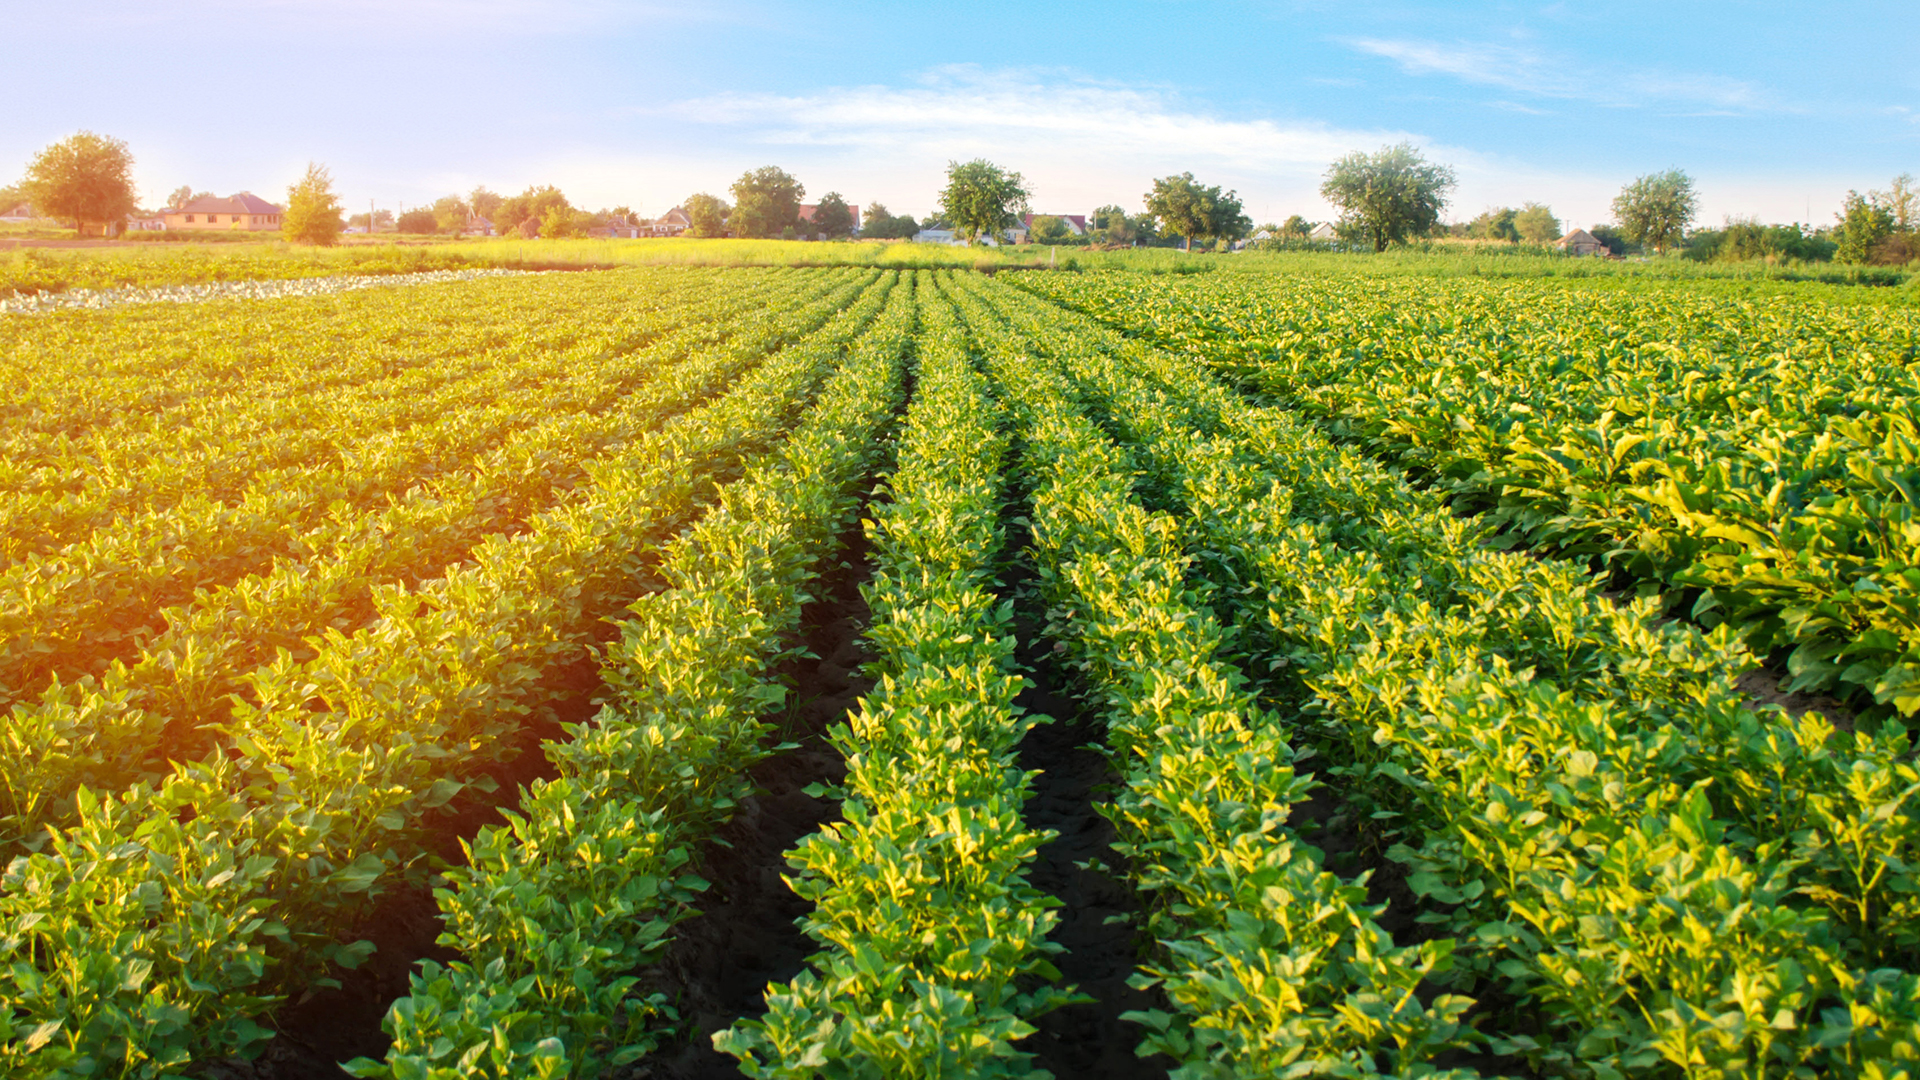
(1550, 75)
(1048, 118)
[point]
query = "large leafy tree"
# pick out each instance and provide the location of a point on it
(1494, 223)
(1195, 211)
(181, 196)
(706, 215)
(1111, 225)
(1865, 221)
(86, 179)
(484, 202)
(1388, 197)
(982, 199)
(881, 225)
(1536, 224)
(1655, 210)
(833, 217)
(450, 214)
(313, 210)
(766, 202)
(530, 205)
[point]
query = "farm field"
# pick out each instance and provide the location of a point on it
(478, 678)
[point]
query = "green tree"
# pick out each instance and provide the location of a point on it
(707, 215)
(878, 224)
(1387, 197)
(484, 203)
(1189, 210)
(1296, 228)
(1494, 223)
(450, 214)
(1902, 201)
(181, 196)
(86, 179)
(530, 205)
(1536, 224)
(982, 199)
(418, 221)
(1111, 225)
(1864, 222)
(561, 222)
(833, 217)
(766, 202)
(313, 210)
(1655, 210)
(1049, 229)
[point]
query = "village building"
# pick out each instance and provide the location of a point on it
(245, 212)
(18, 215)
(672, 223)
(1580, 242)
(1324, 233)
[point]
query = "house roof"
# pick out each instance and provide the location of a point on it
(1578, 236)
(675, 216)
(23, 210)
(244, 203)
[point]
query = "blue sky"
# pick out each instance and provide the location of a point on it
(1775, 109)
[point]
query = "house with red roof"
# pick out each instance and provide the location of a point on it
(245, 212)
(1075, 222)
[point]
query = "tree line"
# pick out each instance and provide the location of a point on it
(1390, 197)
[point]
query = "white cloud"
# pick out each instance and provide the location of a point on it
(1081, 142)
(1530, 71)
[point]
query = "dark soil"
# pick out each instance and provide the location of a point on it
(746, 936)
(1762, 686)
(1101, 919)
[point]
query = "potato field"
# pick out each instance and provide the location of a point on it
(894, 673)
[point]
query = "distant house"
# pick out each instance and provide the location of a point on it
(21, 213)
(618, 230)
(479, 226)
(1580, 242)
(150, 223)
(1324, 233)
(1077, 223)
(807, 212)
(672, 223)
(245, 212)
(936, 236)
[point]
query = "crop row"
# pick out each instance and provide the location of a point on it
(555, 910)
(266, 634)
(1754, 458)
(76, 611)
(1606, 837)
(161, 924)
(362, 440)
(932, 939)
(1268, 960)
